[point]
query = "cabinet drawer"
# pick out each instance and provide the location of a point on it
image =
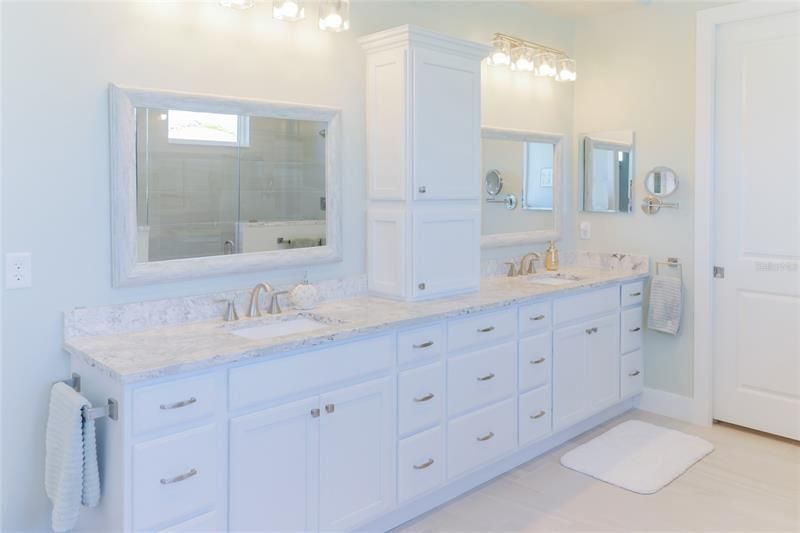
(480, 437)
(535, 317)
(421, 463)
(175, 477)
(586, 304)
(631, 334)
(295, 374)
(480, 377)
(535, 415)
(481, 329)
(420, 343)
(535, 361)
(632, 293)
(632, 377)
(175, 402)
(420, 397)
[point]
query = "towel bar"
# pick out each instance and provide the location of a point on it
(111, 409)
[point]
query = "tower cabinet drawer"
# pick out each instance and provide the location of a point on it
(535, 361)
(480, 437)
(480, 377)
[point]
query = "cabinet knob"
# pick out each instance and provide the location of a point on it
(315, 413)
(422, 189)
(330, 408)
(421, 286)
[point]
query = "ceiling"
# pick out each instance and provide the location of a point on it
(585, 8)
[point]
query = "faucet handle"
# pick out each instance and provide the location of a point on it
(511, 269)
(230, 310)
(274, 304)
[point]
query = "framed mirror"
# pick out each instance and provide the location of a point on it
(608, 172)
(208, 185)
(530, 164)
(661, 181)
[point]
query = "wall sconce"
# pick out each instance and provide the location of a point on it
(526, 56)
(237, 4)
(334, 15)
(288, 10)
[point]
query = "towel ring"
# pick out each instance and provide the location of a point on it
(671, 262)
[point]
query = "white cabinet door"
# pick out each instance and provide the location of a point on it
(274, 469)
(603, 362)
(357, 454)
(446, 126)
(569, 375)
(447, 247)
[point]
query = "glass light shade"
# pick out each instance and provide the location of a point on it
(522, 58)
(501, 52)
(288, 10)
(237, 4)
(334, 15)
(544, 64)
(565, 69)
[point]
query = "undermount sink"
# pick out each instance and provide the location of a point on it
(558, 278)
(279, 327)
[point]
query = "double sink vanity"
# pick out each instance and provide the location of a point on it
(360, 414)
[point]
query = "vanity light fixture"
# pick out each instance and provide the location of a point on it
(521, 55)
(334, 15)
(288, 10)
(237, 4)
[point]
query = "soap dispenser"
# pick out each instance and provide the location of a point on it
(551, 257)
(305, 295)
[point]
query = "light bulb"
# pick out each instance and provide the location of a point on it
(522, 59)
(566, 69)
(288, 10)
(334, 15)
(501, 53)
(237, 4)
(332, 21)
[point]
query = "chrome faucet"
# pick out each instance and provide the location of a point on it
(531, 258)
(255, 309)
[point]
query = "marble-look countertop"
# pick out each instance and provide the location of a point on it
(136, 356)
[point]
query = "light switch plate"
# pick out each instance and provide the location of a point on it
(586, 230)
(18, 270)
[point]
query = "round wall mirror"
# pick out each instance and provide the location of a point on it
(494, 182)
(661, 181)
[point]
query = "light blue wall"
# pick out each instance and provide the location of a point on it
(57, 61)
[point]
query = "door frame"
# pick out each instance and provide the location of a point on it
(707, 22)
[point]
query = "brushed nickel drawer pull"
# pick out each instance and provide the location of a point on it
(487, 377)
(540, 414)
(178, 405)
(424, 398)
(424, 465)
(635, 294)
(634, 373)
(426, 344)
(315, 413)
(538, 361)
(330, 408)
(634, 330)
(486, 330)
(182, 477)
(537, 317)
(486, 437)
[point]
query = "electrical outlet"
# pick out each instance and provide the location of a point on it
(586, 230)
(18, 270)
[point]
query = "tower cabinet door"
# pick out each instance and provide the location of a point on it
(357, 454)
(274, 469)
(570, 379)
(446, 126)
(446, 258)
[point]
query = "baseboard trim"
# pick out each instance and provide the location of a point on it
(454, 488)
(667, 404)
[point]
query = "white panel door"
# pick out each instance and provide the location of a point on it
(274, 469)
(603, 362)
(357, 454)
(570, 380)
(446, 126)
(757, 225)
(447, 248)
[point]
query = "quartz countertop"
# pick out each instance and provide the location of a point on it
(132, 357)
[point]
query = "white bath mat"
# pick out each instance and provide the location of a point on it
(638, 456)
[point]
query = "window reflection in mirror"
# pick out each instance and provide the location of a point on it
(526, 168)
(213, 184)
(608, 172)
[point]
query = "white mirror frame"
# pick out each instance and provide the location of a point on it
(499, 240)
(126, 269)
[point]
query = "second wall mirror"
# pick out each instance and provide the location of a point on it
(529, 166)
(608, 171)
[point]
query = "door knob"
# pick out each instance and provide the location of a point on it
(330, 408)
